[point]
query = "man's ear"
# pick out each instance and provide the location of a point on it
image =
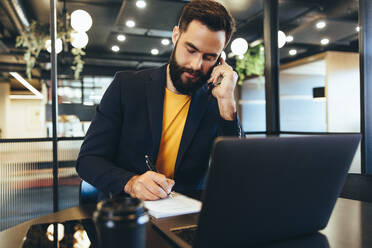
(175, 34)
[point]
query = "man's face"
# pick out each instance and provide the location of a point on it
(195, 53)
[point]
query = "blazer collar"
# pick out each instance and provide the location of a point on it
(198, 106)
(155, 101)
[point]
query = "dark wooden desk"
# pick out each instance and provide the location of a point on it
(350, 226)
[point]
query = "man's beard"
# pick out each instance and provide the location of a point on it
(189, 87)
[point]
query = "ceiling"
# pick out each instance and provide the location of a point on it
(155, 22)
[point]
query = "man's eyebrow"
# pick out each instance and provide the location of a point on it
(189, 44)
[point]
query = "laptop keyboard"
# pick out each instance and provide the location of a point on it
(187, 234)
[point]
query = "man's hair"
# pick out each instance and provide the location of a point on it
(210, 13)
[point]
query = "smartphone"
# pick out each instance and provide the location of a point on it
(211, 85)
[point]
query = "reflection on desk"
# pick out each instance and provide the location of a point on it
(81, 233)
(350, 226)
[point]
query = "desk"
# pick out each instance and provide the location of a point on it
(350, 226)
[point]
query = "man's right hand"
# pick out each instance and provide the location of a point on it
(149, 186)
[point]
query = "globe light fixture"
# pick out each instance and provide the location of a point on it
(50, 232)
(115, 48)
(79, 40)
(324, 41)
(292, 52)
(121, 37)
(320, 24)
(154, 51)
(59, 46)
(357, 29)
(281, 39)
(239, 46)
(81, 21)
(141, 4)
(165, 42)
(130, 23)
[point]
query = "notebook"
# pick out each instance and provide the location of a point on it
(174, 204)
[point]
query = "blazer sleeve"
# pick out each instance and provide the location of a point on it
(96, 160)
(230, 128)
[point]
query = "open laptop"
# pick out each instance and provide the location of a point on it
(266, 189)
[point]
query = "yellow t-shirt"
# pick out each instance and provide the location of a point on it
(175, 112)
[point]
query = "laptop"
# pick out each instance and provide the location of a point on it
(261, 190)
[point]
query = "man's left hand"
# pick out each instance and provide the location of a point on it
(224, 92)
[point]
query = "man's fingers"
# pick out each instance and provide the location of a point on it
(155, 189)
(170, 182)
(161, 180)
(148, 196)
(141, 192)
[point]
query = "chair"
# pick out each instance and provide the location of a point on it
(88, 193)
(358, 187)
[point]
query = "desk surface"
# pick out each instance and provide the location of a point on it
(350, 225)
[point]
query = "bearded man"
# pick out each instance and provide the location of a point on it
(154, 129)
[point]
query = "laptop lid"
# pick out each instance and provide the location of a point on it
(266, 189)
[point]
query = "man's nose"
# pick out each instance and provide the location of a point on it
(196, 63)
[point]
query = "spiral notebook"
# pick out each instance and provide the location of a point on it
(174, 204)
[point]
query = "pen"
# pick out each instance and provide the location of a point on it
(149, 164)
(153, 168)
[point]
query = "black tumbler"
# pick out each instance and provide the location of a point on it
(121, 222)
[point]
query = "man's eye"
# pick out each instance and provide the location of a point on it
(191, 51)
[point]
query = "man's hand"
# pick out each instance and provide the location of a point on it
(224, 92)
(149, 186)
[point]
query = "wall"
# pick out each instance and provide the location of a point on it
(4, 105)
(343, 96)
(298, 110)
(26, 119)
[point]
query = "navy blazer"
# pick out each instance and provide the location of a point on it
(128, 125)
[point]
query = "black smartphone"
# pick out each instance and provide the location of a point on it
(211, 85)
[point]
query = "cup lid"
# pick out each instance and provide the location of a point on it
(121, 206)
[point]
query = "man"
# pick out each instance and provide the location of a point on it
(154, 129)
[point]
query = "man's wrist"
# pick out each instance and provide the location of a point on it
(128, 185)
(227, 108)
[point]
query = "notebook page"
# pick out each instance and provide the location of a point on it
(175, 204)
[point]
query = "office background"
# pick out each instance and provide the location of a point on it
(318, 82)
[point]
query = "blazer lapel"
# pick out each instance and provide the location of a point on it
(198, 106)
(155, 101)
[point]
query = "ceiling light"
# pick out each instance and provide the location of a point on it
(320, 24)
(223, 55)
(239, 46)
(324, 41)
(154, 51)
(121, 37)
(289, 38)
(24, 97)
(59, 46)
(292, 52)
(141, 4)
(281, 39)
(81, 21)
(165, 42)
(115, 48)
(357, 29)
(130, 23)
(26, 84)
(79, 40)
